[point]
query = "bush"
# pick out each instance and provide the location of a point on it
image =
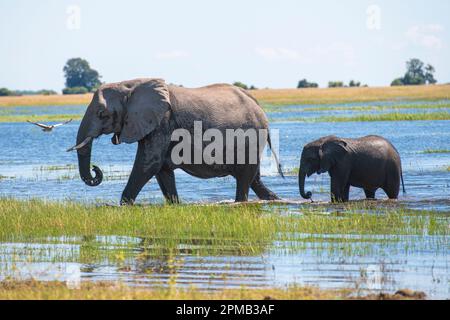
(240, 85)
(75, 90)
(6, 92)
(397, 82)
(46, 92)
(335, 84)
(353, 83)
(305, 84)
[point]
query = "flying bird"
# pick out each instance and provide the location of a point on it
(48, 128)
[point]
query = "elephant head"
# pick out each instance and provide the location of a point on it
(319, 157)
(131, 110)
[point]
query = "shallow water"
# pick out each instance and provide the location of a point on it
(28, 158)
(28, 171)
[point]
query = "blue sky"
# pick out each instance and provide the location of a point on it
(265, 43)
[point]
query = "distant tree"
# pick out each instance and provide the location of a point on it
(5, 92)
(429, 74)
(397, 82)
(240, 85)
(416, 74)
(335, 84)
(305, 84)
(46, 92)
(353, 83)
(252, 87)
(75, 90)
(78, 73)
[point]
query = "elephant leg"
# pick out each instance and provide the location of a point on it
(166, 181)
(244, 177)
(338, 189)
(346, 193)
(392, 187)
(148, 162)
(261, 190)
(370, 194)
(392, 191)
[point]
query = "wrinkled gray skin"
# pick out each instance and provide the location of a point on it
(369, 163)
(147, 111)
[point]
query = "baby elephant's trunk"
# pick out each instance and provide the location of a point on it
(301, 184)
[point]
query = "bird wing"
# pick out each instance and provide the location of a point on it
(61, 124)
(39, 124)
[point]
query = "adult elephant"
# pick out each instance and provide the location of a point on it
(369, 162)
(148, 111)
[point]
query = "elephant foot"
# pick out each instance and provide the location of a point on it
(126, 202)
(173, 200)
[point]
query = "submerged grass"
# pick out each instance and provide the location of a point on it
(249, 223)
(432, 151)
(128, 236)
(56, 167)
(395, 116)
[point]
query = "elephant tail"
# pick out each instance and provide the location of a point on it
(280, 171)
(403, 184)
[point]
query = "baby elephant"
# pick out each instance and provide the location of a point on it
(370, 163)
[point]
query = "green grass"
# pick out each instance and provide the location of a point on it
(57, 167)
(355, 108)
(395, 116)
(124, 236)
(39, 118)
(249, 223)
(431, 151)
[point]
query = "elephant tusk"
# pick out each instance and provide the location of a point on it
(81, 145)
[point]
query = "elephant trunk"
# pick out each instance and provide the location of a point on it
(84, 149)
(301, 184)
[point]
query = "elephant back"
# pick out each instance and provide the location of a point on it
(219, 106)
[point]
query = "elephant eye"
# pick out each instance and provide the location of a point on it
(103, 114)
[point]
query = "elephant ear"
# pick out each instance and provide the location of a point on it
(146, 106)
(330, 153)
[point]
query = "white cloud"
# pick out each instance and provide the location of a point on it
(426, 36)
(170, 55)
(332, 53)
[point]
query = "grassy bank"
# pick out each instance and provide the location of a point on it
(276, 97)
(44, 100)
(280, 97)
(35, 290)
(40, 118)
(393, 116)
(366, 108)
